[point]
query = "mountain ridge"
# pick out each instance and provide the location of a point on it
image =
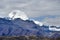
(19, 27)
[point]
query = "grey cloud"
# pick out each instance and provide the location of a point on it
(33, 8)
(44, 8)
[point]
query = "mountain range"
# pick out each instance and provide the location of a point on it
(19, 27)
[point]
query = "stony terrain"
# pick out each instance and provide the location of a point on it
(28, 38)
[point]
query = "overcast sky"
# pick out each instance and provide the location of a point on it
(34, 9)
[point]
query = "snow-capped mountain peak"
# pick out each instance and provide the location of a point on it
(18, 14)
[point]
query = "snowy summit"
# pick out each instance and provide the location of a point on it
(18, 14)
